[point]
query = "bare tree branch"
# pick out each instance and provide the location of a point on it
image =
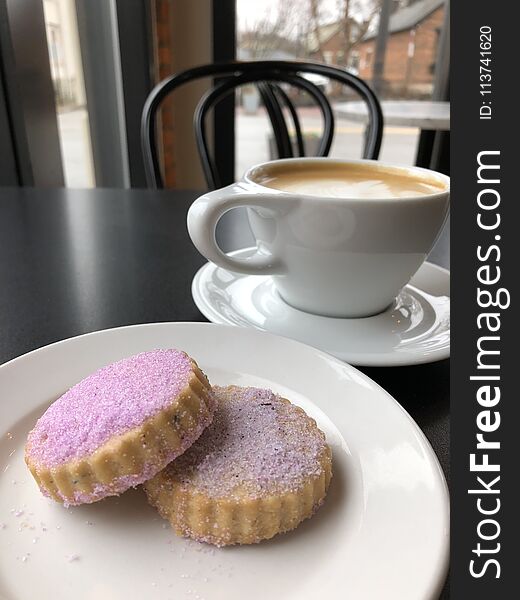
(275, 31)
(297, 27)
(353, 21)
(314, 6)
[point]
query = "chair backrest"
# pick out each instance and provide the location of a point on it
(268, 75)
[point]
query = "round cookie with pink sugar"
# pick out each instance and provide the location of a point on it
(259, 469)
(119, 427)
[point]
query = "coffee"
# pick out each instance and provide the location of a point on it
(342, 180)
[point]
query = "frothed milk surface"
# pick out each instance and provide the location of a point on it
(347, 181)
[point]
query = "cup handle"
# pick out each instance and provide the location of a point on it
(205, 213)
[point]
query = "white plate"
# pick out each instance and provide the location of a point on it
(414, 330)
(382, 533)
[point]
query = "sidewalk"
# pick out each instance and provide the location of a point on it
(399, 143)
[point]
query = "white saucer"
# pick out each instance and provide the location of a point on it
(383, 532)
(416, 329)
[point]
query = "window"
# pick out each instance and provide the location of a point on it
(354, 60)
(293, 30)
(67, 78)
(102, 58)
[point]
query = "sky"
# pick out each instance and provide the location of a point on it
(248, 12)
(251, 11)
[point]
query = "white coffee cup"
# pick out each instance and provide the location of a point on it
(334, 256)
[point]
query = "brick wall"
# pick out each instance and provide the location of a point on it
(426, 43)
(405, 74)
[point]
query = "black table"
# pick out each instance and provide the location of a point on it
(75, 261)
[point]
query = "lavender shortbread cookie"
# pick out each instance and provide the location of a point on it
(259, 469)
(119, 427)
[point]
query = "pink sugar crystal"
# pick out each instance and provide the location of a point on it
(256, 441)
(109, 402)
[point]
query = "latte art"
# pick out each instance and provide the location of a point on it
(348, 181)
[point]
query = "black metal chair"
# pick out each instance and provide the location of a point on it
(267, 75)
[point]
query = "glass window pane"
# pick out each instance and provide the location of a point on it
(344, 33)
(71, 105)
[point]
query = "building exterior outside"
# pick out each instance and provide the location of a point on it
(64, 52)
(328, 45)
(411, 50)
